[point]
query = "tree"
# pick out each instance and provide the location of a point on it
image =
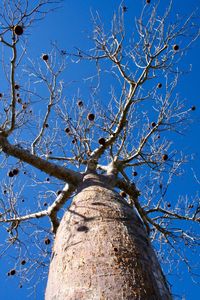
(102, 247)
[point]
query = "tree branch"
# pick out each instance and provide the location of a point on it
(54, 170)
(51, 211)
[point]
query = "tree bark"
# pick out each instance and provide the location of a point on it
(102, 251)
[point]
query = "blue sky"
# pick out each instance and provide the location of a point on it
(70, 26)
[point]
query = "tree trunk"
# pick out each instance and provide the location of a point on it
(102, 251)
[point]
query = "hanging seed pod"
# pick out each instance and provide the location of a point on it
(165, 157)
(24, 106)
(10, 174)
(102, 141)
(45, 57)
(176, 47)
(91, 117)
(67, 130)
(124, 8)
(74, 141)
(15, 171)
(159, 85)
(47, 241)
(23, 262)
(80, 103)
(123, 194)
(12, 272)
(18, 30)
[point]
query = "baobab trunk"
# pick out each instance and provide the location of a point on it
(102, 251)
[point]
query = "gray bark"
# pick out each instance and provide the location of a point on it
(102, 251)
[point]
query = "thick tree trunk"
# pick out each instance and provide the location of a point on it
(102, 251)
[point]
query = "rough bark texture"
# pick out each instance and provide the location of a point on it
(102, 251)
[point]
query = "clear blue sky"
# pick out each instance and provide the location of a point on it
(69, 26)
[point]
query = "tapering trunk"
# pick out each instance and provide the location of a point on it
(102, 251)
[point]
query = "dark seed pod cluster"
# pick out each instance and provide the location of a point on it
(13, 172)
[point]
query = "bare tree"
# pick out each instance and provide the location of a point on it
(91, 152)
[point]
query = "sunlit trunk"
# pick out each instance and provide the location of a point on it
(102, 251)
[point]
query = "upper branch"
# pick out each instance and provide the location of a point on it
(133, 86)
(121, 124)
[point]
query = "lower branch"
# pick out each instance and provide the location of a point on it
(52, 169)
(168, 214)
(58, 203)
(51, 212)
